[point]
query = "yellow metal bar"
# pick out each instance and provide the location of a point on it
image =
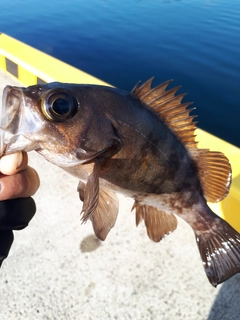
(2, 62)
(26, 77)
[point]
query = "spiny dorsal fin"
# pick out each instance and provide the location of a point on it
(158, 222)
(214, 172)
(170, 109)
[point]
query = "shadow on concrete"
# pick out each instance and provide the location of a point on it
(89, 244)
(227, 303)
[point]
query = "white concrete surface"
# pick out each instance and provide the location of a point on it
(57, 269)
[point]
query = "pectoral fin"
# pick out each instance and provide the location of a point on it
(99, 205)
(89, 195)
(158, 222)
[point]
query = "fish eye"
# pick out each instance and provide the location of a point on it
(59, 106)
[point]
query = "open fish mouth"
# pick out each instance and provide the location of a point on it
(11, 106)
(16, 121)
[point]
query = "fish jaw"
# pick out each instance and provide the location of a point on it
(18, 122)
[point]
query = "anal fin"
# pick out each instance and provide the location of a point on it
(99, 205)
(158, 223)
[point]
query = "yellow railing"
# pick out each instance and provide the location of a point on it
(32, 66)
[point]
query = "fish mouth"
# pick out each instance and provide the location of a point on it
(16, 122)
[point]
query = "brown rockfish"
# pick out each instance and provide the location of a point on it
(141, 144)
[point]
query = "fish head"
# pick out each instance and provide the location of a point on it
(38, 118)
(63, 122)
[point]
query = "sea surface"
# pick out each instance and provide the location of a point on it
(194, 42)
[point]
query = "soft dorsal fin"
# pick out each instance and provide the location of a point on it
(170, 109)
(215, 173)
(213, 167)
(158, 222)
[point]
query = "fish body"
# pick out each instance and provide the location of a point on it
(141, 144)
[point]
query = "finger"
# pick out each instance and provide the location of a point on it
(13, 163)
(21, 185)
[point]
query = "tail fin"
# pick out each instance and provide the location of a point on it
(220, 251)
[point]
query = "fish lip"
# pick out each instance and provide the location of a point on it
(17, 122)
(9, 116)
(11, 103)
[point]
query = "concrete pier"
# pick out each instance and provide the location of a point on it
(58, 269)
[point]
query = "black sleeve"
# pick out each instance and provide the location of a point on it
(15, 214)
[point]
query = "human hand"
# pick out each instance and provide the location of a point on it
(18, 182)
(17, 179)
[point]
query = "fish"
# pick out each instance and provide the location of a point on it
(139, 143)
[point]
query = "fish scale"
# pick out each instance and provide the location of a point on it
(141, 144)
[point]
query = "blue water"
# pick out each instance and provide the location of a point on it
(194, 42)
